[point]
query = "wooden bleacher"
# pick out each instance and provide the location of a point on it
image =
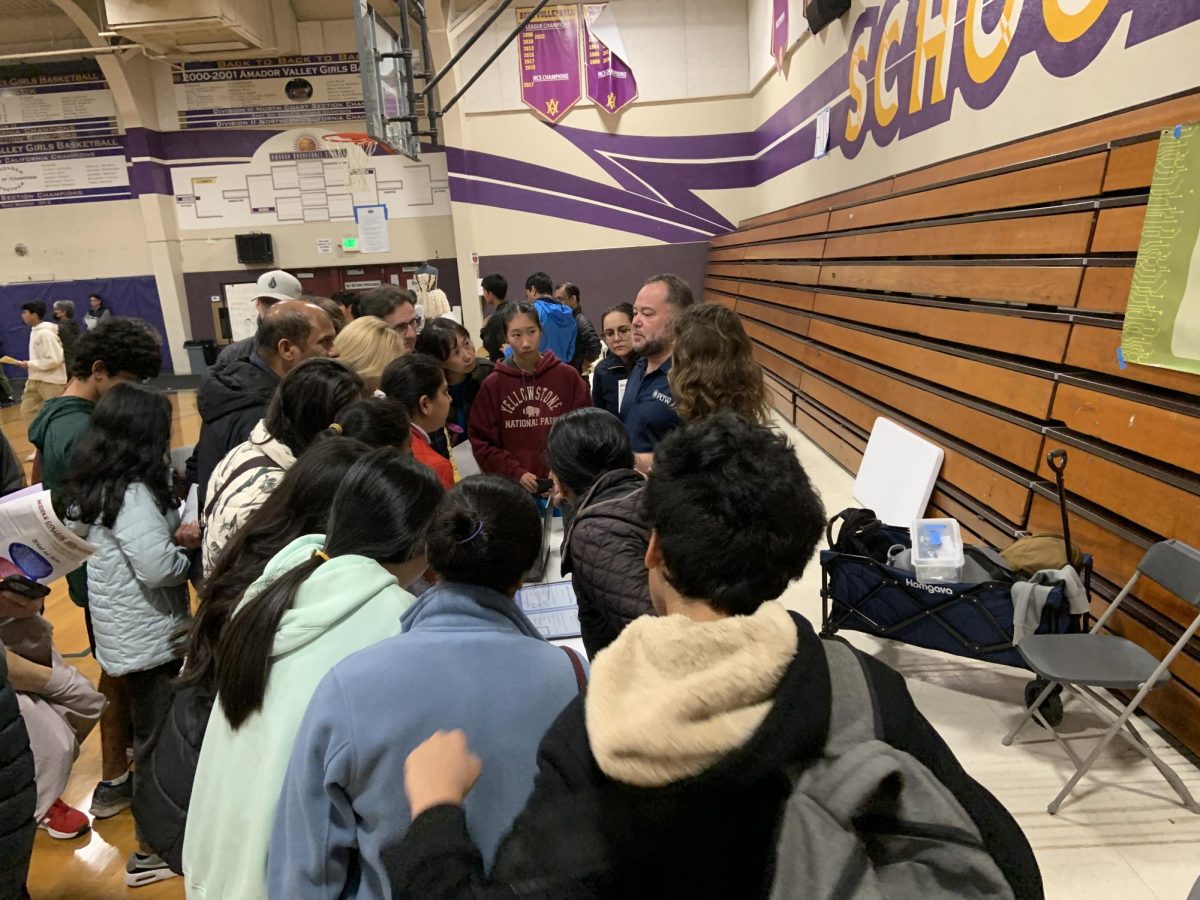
(979, 302)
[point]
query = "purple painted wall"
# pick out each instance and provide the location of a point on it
(605, 277)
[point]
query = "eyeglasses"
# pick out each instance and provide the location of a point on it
(416, 324)
(622, 331)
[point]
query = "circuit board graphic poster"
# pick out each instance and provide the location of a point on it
(1162, 320)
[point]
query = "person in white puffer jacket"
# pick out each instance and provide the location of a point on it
(119, 495)
(305, 404)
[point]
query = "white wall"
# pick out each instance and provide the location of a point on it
(78, 240)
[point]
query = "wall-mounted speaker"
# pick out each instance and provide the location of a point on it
(255, 249)
(821, 12)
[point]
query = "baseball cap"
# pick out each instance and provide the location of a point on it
(279, 285)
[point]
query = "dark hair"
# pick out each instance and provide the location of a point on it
(380, 511)
(412, 377)
(510, 311)
(438, 337)
(376, 421)
(736, 516)
(623, 308)
(679, 292)
(495, 284)
(584, 444)
(37, 307)
(120, 345)
(541, 283)
(569, 290)
(308, 399)
(348, 299)
(283, 322)
(487, 532)
(329, 307)
(298, 506)
(382, 301)
(97, 296)
(127, 442)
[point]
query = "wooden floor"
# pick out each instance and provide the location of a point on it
(92, 866)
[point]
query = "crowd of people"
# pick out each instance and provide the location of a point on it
(356, 705)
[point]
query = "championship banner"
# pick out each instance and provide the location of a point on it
(550, 80)
(610, 82)
(779, 32)
(1162, 321)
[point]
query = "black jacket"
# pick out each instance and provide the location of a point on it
(68, 334)
(163, 794)
(587, 343)
(18, 795)
(606, 380)
(604, 552)
(231, 403)
(483, 368)
(12, 473)
(713, 835)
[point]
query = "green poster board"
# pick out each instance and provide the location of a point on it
(1162, 321)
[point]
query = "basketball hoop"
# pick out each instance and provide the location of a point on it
(352, 152)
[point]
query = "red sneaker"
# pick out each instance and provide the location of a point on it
(64, 822)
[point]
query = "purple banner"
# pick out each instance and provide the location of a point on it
(550, 79)
(779, 32)
(610, 81)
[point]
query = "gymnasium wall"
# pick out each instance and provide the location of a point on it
(966, 274)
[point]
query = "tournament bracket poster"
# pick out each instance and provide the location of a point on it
(610, 82)
(1162, 320)
(551, 82)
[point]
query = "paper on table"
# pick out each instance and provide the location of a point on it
(33, 540)
(552, 608)
(191, 506)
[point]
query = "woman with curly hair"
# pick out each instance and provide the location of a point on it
(713, 368)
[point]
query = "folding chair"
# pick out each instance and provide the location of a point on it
(1084, 662)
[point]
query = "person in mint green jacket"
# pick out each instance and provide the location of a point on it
(319, 600)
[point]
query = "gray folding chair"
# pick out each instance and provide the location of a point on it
(1084, 662)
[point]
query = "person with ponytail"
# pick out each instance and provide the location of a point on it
(376, 421)
(321, 598)
(469, 659)
(299, 506)
(304, 406)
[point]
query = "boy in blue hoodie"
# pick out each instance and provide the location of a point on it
(559, 330)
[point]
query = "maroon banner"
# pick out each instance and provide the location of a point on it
(550, 79)
(610, 82)
(779, 33)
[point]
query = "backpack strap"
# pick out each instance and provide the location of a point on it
(258, 461)
(580, 677)
(853, 709)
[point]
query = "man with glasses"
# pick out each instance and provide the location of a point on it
(398, 308)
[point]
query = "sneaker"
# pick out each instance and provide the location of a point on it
(146, 868)
(64, 822)
(108, 798)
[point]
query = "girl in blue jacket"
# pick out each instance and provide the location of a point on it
(469, 659)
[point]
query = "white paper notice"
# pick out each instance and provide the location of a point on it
(324, 245)
(243, 314)
(822, 142)
(372, 229)
(191, 506)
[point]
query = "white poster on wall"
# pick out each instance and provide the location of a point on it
(293, 178)
(372, 229)
(243, 314)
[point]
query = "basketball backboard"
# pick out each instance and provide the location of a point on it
(385, 82)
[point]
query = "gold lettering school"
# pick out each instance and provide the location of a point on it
(528, 396)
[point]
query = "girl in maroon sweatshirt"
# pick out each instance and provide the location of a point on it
(520, 400)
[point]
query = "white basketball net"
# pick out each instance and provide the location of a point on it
(353, 160)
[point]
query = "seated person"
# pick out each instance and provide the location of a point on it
(608, 530)
(468, 658)
(670, 779)
(520, 400)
